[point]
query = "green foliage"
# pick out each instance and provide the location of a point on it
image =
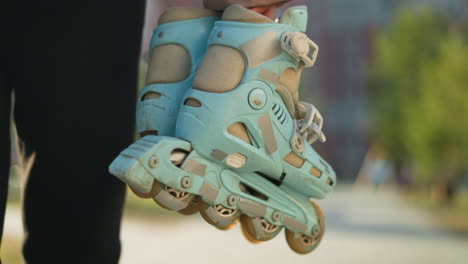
(419, 90)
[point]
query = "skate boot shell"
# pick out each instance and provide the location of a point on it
(247, 110)
(242, 147)
(176, 49)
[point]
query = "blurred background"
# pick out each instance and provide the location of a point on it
(391, 81)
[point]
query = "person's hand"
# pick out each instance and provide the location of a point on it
(264, 7)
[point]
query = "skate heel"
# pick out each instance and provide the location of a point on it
(128, 168)
(150, 167)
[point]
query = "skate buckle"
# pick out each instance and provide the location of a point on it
(302, 48)
(311, 126)
(297, 141)
(308, 129)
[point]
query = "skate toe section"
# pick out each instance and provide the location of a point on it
(136, 164)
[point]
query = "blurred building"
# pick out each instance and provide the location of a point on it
(338, 84)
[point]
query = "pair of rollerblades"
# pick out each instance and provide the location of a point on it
(223, 132)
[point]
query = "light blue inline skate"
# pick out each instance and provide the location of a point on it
(243, 138)
(177, 46)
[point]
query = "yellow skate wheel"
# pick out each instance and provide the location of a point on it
(258, 229)
(155, 189)
(303, 244)
(219, 216)
(192, 208)
(172, 199)
(247, 236)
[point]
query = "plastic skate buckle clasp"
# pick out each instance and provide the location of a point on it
(298, 45)
(311, 125)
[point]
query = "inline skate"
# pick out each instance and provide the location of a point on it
(242, 138)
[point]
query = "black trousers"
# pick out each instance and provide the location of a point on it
(73, 69)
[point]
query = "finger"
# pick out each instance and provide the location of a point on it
(222, 4)
(268, 11)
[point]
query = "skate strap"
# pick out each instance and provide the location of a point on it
(308, 129)
(299, 46)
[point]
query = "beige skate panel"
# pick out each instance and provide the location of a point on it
(168, 64)
(261, 49)
(195, 167)
(291, 79)
(239, 13)
(220, 71)
(264, 122)
(315, 172)
(238, 130)
(185, 13)
(294, 160)
(287, 85)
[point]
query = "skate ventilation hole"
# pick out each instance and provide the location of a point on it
(314, 171)
(274, 181)
(280, 114)
(294, 160)
(192, 102)
(239, 130)
(149, 133)
(150, 95)
(252, 191)
(178, 157)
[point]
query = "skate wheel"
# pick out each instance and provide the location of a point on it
(247, 236)
(172, 199)
(219, 216)
(192, 208)
(155, 189)
(303, 244)
(258, 229)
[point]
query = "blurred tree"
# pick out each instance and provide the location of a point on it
(418, 87)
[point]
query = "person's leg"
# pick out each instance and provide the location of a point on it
(5, 98)
(75, 109)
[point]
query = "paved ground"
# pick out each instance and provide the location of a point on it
(362, 227)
